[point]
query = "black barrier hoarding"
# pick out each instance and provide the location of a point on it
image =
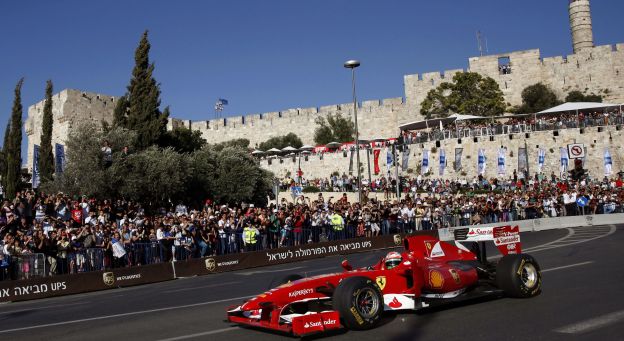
(248, 260)
(60, 285)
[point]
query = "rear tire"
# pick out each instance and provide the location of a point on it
(276, 282)
(359, 302)
(519, 276)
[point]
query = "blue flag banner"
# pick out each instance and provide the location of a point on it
(564, 162)
(608, 163)
(501, 161)
(424, 166)
(36, 178)
(442, 161)
(60, 158)
(481, 161)
(541, 157)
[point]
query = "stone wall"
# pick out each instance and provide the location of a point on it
(595, 142)
(70, 109)
(592, 70)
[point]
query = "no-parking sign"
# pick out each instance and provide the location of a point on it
(576, 151)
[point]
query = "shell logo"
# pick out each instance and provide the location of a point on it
(436, 280)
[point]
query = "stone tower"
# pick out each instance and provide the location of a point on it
(581, 25)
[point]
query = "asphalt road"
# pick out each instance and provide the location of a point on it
(582, 298)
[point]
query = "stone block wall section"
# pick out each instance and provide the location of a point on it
(595, 143)
(598, 70)
(70, 109)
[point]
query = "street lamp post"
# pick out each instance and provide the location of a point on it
(352, 64)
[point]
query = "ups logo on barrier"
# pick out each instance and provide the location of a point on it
(211, 264)
(397, 239)
(108, 278)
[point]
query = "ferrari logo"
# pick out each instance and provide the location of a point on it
(428, 245)
(381, 282)
(108, 278)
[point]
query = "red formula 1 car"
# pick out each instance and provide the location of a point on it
(427, 273)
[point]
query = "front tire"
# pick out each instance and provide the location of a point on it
(519, 276)
(359, 302)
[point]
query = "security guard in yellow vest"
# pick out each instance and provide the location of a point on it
(337, 223)
(249, 238)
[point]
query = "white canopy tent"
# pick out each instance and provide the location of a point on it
(576, 106)
(434, 122)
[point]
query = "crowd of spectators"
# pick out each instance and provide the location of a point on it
(72, 235)
(512, 124)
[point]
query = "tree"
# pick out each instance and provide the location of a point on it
(468, 94)
(183, 140)
(281, 142)
(143, 97)
(334, 129)
(46, 158)
(236, 143)
(13, 149)
(120, 114)
(577, 96)
(3, 155)
(536, 98)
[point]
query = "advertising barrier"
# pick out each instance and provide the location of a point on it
(22, 290)
(232, 262)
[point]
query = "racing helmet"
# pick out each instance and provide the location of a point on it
(392, 259)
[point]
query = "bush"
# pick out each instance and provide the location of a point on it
(311, 189)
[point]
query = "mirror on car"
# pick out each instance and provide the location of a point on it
(345, 265)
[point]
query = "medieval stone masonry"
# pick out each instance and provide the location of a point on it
(598, 70)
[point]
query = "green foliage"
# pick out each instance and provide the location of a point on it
(310, 189)
(536, 98)
(120, 115)
(13, 148)
(143, 114)
(46, 158)
(157, 175)
(4, 155)
(468, 94)
(280, 142)
(577, 96)
(334, 129)
(183, 140)
(236, 143)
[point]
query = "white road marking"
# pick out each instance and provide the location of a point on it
(567, 266)
(190, 336)
(248, 273)
(44, 307)
(121, 315)
(592, 324)
(203, 286)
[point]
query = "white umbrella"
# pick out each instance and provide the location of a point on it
(306, 152)
(306, 147)
(257, 152)
(332, 145)
(273, 151)
(289, 149)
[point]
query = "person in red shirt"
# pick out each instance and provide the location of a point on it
(76, 215)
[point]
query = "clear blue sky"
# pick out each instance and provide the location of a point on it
(268, 55)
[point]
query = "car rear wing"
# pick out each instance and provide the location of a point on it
(506, 238)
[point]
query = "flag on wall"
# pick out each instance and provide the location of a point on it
(36, 179)
(219, 105)
(424, 166)
(376, 160)
(608, 162)
(442, 161)
(458, 156)
(564, 162)
(501, 161)
(60, 158)
(405, 159)
(541, 156)
(481, 161)
(389, 159)
(351, 161)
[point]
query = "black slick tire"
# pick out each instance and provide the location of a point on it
(359, 302)
(519, 276)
